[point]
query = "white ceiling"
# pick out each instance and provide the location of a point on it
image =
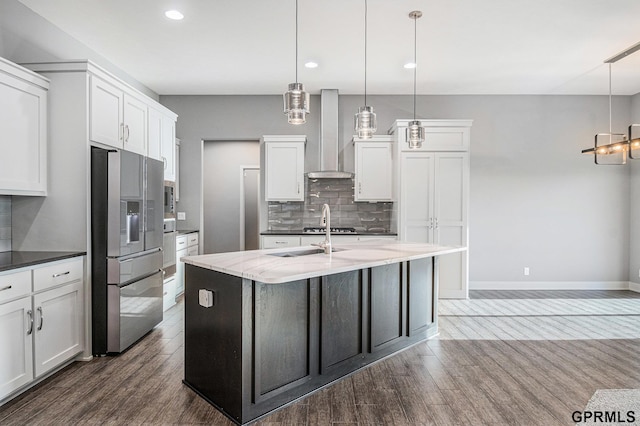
(464, 46)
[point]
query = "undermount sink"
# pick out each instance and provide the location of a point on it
(299, 253)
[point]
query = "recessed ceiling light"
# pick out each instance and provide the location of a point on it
(410, 65)
(174, 14)
(311, 64)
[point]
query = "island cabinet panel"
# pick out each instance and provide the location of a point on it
(281, 353)
(421, 297)
(386, 288)
(213, 338)
(341, 319)
(261, 346)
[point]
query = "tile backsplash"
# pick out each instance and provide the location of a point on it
(5, 223)
(338, 193)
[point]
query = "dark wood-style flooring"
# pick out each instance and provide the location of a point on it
(441, 381)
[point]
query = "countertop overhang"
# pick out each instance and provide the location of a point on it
(264, 266)
(19, 259)
(338, 234)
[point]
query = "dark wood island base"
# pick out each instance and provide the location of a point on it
(261, 346)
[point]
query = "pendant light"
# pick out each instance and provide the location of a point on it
(415, 132)
(365, 119)
(296, 100)
(614, 152)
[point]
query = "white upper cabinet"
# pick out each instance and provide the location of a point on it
(284, 168)
(23, 125)
(117, 119)
(155, 132)
(440, 135)
(135, 125)
(168, 147)
(162, 141)
(374, 169)
(106, 113)
(123, 118)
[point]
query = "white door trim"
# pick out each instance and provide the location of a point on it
(243, 168)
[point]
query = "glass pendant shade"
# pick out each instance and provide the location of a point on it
(415, 135)
(365, 122)
(296, 103)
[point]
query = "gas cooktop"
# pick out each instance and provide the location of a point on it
(333, 230)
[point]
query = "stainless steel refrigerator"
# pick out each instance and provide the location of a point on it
(127, 210)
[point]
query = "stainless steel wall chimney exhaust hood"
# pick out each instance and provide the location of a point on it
(329, 138)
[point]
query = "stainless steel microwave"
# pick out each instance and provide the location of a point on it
(169, 199)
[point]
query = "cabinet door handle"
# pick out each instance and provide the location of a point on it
(30, 315)
(298, 187)
(60, 274)
(5, 288)
(126, 127)
(122, 131)
(164, 161)
(41, 318)
(281, 242)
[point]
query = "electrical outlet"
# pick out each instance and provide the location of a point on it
(526, 270)
(182, 215)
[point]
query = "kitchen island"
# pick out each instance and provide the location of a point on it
(265, 327)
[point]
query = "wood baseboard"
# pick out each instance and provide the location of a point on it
(552, 285)
(634, 287)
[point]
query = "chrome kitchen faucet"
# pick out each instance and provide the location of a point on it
(326, 220)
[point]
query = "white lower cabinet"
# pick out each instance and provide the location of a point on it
(41, 321)
(168, 294)
(180, 271)
(57, 326)
(16, 328)
(186, 245)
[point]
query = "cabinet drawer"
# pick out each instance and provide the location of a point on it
(192, 239)
(168, 294)
(192, 251)
(14, 285)
(280, 241)
(181, 242)
(57, 273)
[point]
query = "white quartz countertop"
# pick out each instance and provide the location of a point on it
(264, 266)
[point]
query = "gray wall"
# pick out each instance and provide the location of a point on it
(25, 37)
(5, 223)
(535, 200)
(226, 118)
(221, 191)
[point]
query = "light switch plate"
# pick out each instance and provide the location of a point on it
(205, 298)
(182, 215)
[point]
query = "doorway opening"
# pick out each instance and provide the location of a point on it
(222, 192)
